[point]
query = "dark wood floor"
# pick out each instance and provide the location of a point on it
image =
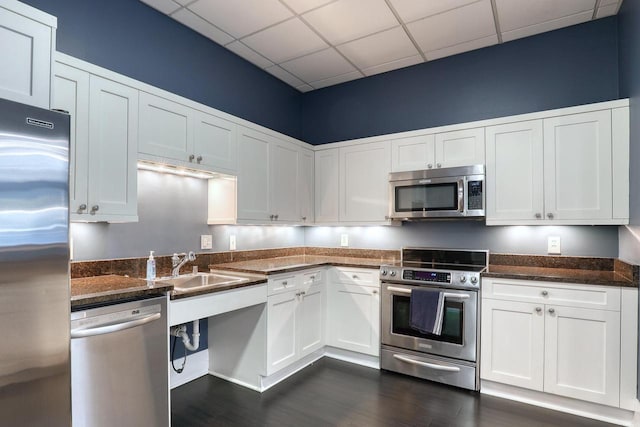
(335, 393)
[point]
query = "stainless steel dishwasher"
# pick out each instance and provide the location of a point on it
(119, 365)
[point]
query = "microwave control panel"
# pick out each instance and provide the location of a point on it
(474, 195)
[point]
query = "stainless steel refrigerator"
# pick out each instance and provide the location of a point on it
(35, 381)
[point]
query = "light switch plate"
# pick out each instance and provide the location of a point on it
(553, 245)
(344, 240)
(232, 242)
(206, 241)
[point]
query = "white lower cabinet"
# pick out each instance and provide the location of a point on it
(353, 311)
(295, 318)
(556, 338)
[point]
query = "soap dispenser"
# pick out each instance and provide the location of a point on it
(151, 267)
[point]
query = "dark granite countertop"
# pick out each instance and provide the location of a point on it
(287, 264)
(579, 270)
(112, 288)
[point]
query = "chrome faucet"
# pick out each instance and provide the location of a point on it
(176, 262)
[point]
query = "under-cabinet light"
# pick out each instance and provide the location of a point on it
(176, 170)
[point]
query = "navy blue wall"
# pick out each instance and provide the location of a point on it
(571, 66)
(133, 39)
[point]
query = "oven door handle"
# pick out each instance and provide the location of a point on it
(426, 365)
(445, 294)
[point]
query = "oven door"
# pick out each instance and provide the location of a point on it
(459, 328)
(422, 198)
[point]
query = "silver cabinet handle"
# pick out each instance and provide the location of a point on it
(427, 365)
(429, 166)
(89, 332)
(375, 291)
(81, 208)
(284, 283)
(550, 215)
(271, 217)
(276, 216)
(551, 311)
(538, 309)
(303, 293)
(354, 277)
(199, 159)
(538, 215)
(297, 294)
(304, 218)
(312, 277)
(545, 293)
(191, 157)
(94, 209)
(438, 165)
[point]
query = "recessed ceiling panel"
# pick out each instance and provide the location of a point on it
(393, 65)
(319, 66)
(240, 18)
(462, 47)
(285, 76)
(301, 6)
(515, 14)
(336, 80)
(546, 26)
(379, 48)
(285, 41)
(164, 6)
(193, 21)
(250, 55)
(412, 10)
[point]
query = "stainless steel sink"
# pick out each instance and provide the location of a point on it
(201, 280)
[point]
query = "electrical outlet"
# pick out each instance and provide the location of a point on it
(344, 240)
(553, 245)
(206, 241)
(232, 242)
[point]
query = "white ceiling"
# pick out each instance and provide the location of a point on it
(311, 44)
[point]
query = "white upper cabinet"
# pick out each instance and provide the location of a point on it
(442, 150)
(284, 183)
(514, 171)
(577, 151)
(327, 185)
(364, 182)
(254, 176)
(191, 138)
(559, 170)
(27, 43)
(104, 132)
(305, 186)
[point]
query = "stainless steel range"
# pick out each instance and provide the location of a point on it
(450, 356)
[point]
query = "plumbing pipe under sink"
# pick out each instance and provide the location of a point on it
(181, 332)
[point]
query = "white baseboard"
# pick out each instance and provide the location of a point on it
(196, 367)
(352, 357)
(283, 374)
(235, 381)
(581, 408)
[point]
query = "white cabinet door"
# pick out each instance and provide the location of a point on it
(254, 199)
(26, 46)
(327, 185)
(364, 182)
(414, 153)
(113, 140)
(215, 142)
(311, 311)
(281, 330)
(165, 128)
(577, 166)
(582, 354)
(305, 186)
(353, 321)
(512, 343)
(514, 172)
(71, 93)
(285, 204)
(460, 148)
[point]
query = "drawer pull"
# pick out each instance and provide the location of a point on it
(545, 293)
(551, 311)
(312, 277)
(284, 283)
(354, 277)
(538, 309)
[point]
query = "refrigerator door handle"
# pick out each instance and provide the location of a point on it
(99, 330)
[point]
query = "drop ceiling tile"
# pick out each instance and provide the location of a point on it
(285, 76)
(547, 26)
(514, 14)
(608, 10)
(240, 18)
(346, 20)
(165, 6)
(394, 65)
(454, 27)
(336, 80)
(608, 2)
(318, 66)
(196, 23)
(285, 41)
(301, 6)
(304, 88)
(462, 47)
(184, 2)
(250, 55)
(411, 10)
(379, 48)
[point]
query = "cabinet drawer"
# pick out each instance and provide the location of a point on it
(281, 284)
(356, 276)
(314, 277)
(563, 294)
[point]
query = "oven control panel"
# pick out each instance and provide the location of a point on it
(455, 279)
(426, 276)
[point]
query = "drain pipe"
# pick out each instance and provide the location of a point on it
(182, 333)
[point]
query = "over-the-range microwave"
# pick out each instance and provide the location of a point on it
(456, 192)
